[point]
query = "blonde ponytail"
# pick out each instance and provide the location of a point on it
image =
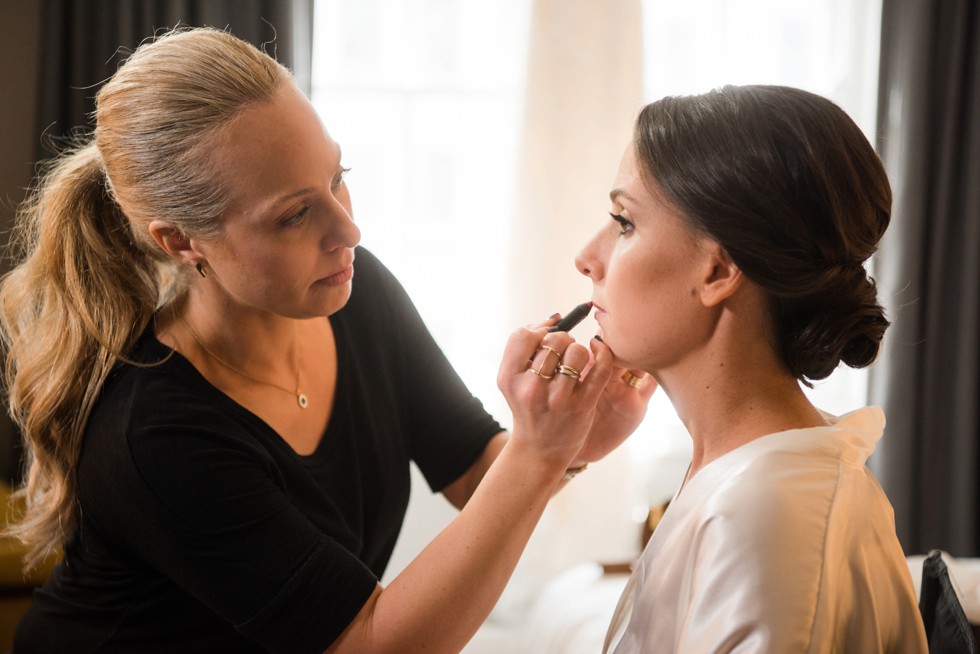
(60, 343)
(90, 276)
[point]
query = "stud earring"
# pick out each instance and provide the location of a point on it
(200, 270)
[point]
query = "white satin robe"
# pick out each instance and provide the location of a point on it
(786, 544)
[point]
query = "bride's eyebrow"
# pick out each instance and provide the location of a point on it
(617, 193)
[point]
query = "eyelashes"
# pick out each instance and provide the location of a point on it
(625, 226)
(294, 219)
(340, 177)
(297, 218)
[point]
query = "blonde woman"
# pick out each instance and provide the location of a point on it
(732, 271)
(220, 391)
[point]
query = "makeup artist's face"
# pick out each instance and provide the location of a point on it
(645, 265)
(287, 239)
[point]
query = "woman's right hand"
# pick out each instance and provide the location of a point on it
(462, 572)
(553, 408)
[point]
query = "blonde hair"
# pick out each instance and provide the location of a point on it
(91, 276)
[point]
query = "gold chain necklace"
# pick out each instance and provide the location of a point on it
(300, 395)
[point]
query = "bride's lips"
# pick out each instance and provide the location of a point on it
(338, 278)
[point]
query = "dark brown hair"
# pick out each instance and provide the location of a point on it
(786, 182)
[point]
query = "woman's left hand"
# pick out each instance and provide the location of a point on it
(621, 408)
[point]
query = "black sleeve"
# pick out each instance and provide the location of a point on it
(448, 426)
(206, 505)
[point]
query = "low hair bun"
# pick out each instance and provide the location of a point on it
(844, 324)
(793, 191)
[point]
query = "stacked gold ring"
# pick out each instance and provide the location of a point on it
(632, 380)
(568, 371)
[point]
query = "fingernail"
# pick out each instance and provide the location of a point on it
(598, 338)
(554, 315)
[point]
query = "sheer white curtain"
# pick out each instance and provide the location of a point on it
(584, 87)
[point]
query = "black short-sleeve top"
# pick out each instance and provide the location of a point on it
(201, 530)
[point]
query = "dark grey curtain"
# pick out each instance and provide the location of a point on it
(928, 380)
(84, 41)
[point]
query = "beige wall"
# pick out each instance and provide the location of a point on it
(19, 54)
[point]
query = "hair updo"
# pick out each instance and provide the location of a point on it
(786, 182)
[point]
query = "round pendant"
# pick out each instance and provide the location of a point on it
(301, 398)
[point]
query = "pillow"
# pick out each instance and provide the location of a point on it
(947, 629)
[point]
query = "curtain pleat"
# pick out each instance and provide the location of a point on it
(928, 379)
(84, 41)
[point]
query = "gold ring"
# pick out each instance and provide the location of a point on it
(568, 371)
(551, 350)
(632, 380)
(541, 374)
(548, 350)
(545, 347)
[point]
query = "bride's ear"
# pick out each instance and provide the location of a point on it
(721, 277)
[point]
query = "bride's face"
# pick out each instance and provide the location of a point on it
(646, 267)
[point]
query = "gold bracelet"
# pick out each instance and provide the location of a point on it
(571, 472)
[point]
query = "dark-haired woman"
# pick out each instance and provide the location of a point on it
(732, 271)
